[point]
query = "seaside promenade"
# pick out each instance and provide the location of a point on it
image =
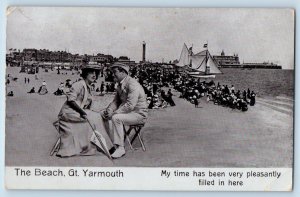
(180, 136)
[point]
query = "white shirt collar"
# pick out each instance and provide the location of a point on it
(121, 82)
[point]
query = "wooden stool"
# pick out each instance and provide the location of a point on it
(137, 128)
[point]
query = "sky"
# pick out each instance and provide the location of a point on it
(256, 35)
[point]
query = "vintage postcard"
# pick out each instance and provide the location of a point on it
(176, 99)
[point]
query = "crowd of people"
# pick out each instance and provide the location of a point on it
(154, 80)
(193, 90)
(157, 83)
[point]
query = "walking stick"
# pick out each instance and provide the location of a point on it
(99, 138)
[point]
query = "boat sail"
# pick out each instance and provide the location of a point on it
(201, 65)
(184, 57)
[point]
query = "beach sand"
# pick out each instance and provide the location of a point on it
(180, 136)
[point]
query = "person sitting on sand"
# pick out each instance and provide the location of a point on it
(32, 90)
(72, 123)
(107, 88)
(238, 94)
(60, 89)
(43, 89)
(241, 105)
(11, 93)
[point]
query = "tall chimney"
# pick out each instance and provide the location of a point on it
(144, 51)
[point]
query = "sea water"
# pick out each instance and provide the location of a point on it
(265, 82)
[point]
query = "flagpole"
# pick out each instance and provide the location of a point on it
(206, 54)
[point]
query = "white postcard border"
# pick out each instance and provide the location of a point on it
(162, 179)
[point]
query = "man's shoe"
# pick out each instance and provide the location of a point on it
(112, 150)
(120, 152)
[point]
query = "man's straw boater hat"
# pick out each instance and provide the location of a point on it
(120, 65)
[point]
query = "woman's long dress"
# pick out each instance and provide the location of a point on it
(75, 132)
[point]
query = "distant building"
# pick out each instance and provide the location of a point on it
(227, 60)
(15, 57)
(101, 58)
(30, 54)
(125, 60)
(61, 56)
(78, 59)
(43, 55)
(54, 56)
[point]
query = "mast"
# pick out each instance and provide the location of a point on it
(207, 69)
(190, 55)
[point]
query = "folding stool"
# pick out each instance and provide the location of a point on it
(137, 128)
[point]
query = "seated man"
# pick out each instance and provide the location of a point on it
(32, 90)
(128, 107)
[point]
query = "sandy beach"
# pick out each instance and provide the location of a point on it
(180, 136)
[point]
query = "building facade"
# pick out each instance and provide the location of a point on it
(227, 60)
(101, 58)
(126, 60)
(30, 54)
(45, 55)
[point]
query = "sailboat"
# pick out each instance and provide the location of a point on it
(200, 65)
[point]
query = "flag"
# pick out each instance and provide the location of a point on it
(205, 46)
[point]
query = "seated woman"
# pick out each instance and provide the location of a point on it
(75, 131)
(43, 89)
(60, 89)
